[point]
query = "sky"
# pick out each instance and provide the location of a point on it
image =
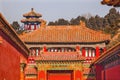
(52, 10)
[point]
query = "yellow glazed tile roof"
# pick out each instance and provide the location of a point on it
(32, 13)
(78, 33)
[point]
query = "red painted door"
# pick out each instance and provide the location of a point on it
(60, 76)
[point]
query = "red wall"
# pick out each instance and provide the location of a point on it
(9, 59)
(99, 69)
(113, 73)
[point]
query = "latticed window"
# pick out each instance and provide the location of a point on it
(93, 53)
(34, 51)
(89, 52)
(86, 52)
(61, 49)
(37, 52)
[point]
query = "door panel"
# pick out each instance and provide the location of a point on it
(60, 75)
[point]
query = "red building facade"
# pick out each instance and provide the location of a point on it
(11, 49)
(107, 66)
(63, 52)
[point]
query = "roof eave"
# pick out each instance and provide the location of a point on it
(106, 54)
(104, 41)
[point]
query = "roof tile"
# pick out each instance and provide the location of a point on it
(69, 33)
(59, 56)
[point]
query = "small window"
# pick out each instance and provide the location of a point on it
(93, 53)
(86, 52)
(37, 52)
(90, 53)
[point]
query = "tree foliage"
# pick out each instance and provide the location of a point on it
(16, 27)
(59, 22)
(109, 23)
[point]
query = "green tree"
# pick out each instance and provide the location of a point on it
(62, 22)
(112, 19)
(99, 22)
(51, 23)
(92, 23)
(15, 25)
(109, 23)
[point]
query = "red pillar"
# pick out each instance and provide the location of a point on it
(38, 52)
(83, 52)
(29, 26)
(34, 26)
(88, 52)
(97, 52)
(104, 49)
(44, 49)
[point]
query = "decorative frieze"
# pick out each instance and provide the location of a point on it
(60, 66)
(112, 63)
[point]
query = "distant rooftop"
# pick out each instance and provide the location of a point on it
(32, 13)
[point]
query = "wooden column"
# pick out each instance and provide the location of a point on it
(88, 52)
(44, 49)
(22, 66)
(38, 52)
(83, 52)
(97, 52)
(35, 26)
(29, 26)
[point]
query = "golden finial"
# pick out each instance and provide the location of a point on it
(32, 9)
